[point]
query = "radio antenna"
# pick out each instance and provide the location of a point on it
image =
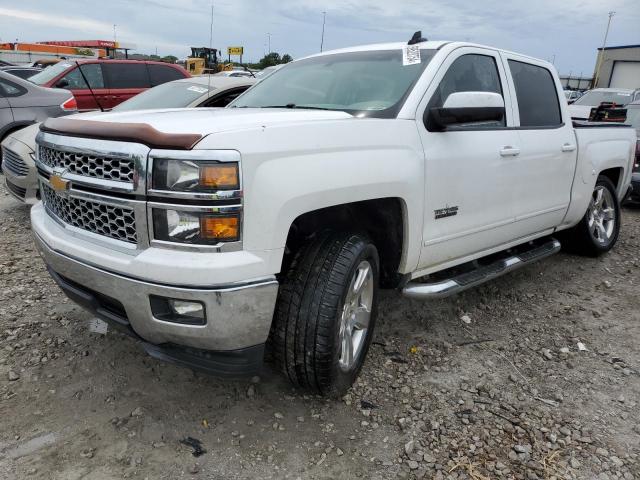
(210, 50)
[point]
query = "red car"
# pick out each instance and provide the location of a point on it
(112, 81)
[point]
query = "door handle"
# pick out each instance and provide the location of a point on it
(509, 151)
(568, 147)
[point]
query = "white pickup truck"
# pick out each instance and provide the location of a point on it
(211, 234)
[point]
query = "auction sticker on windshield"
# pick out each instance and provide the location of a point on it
(410, 54)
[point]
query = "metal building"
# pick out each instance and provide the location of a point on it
(619, 67)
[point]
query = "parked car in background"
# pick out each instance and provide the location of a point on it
(19, 147)
(23, 103)
(278, 218)
(265, 72)
(22, 72)
(110, 82)
(633, 119)
(46, 62)
(202, 91)
(18, 154)
(581, 108)
(572, 95)
(235, 73)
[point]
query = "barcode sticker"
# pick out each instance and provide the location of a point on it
(410, 55)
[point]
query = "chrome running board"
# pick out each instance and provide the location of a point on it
(456, 284)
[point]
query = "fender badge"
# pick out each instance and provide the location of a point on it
(445, 212)
(58, 183)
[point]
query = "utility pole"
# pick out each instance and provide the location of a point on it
(553, 60)
(115, 38)
(269, 37)
(601, 56)
(324, 17)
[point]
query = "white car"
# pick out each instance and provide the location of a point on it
(581, 108)
(428, 167)
(18, 149)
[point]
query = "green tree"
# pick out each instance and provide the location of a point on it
(273, 58)
(169, 59)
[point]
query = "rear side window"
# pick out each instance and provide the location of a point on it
(127, 75)
(537, 95)
(469, 73)
(10, 89)
(160, 74)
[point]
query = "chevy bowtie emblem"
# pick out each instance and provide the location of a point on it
(58, 183)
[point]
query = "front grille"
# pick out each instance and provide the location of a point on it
(95, 166)
(113, 222)
(13, 163)
(16, 190)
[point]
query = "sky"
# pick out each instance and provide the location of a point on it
(567, 32)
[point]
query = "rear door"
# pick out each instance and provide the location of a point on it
(548, 151)
(125, 80)
(469, 170)
(159, 74)
(6, 115)
(87, 98)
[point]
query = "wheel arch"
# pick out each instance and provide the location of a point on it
(384, 220)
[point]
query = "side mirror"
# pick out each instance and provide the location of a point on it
(466, 108)
(62, 83)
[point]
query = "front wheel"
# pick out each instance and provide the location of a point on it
(326, 312)
(598, 230)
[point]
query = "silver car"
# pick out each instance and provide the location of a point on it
(23, 103)
(18, 149)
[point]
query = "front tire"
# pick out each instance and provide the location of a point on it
(598, 230)
(326, 312)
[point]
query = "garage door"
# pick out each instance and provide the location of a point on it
(625, 75)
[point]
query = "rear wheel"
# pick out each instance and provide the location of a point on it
(326, 312)
(598, 230)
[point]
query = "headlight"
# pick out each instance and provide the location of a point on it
(193, 227)
(194, 176)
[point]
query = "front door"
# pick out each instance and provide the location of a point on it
(94, 98)
(469, 171)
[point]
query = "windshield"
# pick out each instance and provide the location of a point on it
(168, 95)
(49, 73)
(369, 83)
(595, 98)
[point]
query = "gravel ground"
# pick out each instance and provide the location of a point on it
(533, 376)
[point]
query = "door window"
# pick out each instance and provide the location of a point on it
(91, 71)
(537, 95)
(127, 75)
(160, 74)
(468, 73)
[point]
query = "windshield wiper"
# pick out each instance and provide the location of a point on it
(293, 105)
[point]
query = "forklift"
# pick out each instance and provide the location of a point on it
(204, 60)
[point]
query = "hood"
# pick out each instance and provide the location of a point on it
(27, 135)
(580, 112)
(204, 121)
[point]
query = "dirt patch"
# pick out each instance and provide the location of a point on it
(504, 393)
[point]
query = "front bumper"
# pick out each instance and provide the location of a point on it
(21, 176)
(230, 343)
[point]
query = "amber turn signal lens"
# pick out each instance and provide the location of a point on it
(220, 228)
(224, 176)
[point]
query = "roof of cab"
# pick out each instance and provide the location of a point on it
(427, 45)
